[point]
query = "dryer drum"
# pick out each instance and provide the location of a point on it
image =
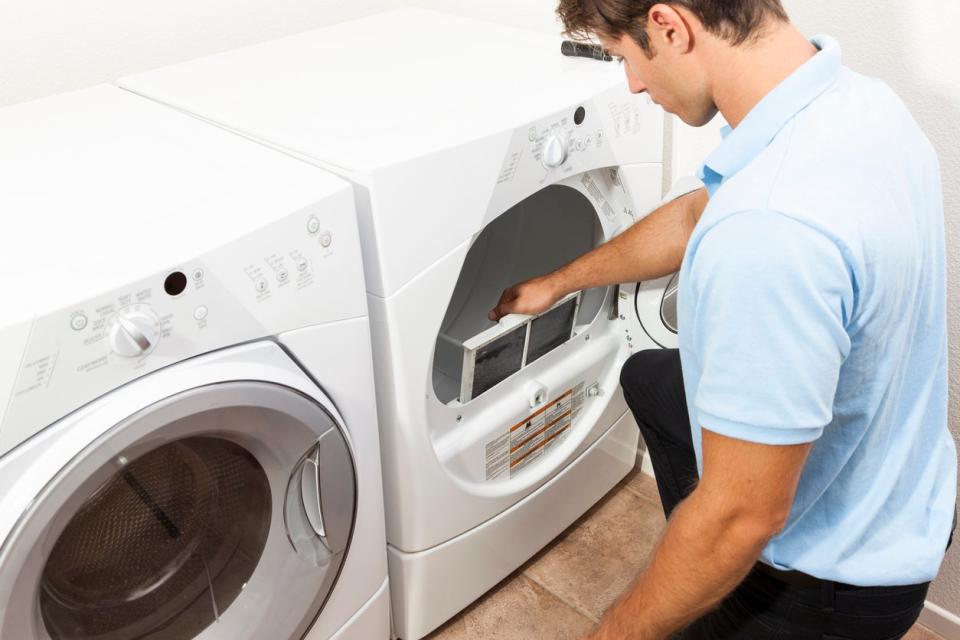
(162, 548)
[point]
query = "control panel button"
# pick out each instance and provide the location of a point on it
(197, 275)
(200, 313)
(134, 331)
(326, 239)
(260, 285)
(78, 322)
(302, 265)
(554, 151)
(313, 225)
(283, 275)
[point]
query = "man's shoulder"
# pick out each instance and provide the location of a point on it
(855, 140)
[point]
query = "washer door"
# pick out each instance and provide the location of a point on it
(223, 512)
(656, 308)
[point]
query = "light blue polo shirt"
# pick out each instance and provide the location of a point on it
(812, 308)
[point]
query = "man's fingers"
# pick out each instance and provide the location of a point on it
(503, 308)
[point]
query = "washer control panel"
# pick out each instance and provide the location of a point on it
(300, 271)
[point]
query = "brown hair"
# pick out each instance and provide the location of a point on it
(735, 20)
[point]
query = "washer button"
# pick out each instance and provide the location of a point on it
(261, 285)
(302, 265)
(200, 313)
(282, 275)
(197, 275)
(326, 239)
(313, 225)
(78, 322)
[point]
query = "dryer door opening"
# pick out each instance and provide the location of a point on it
(536, 236)
(222, 512)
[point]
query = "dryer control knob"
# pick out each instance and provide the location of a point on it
(134, 331)
(554, 151)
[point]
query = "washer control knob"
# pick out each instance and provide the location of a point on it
(134, 332)
(554, 151)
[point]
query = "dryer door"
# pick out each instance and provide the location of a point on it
(223, 512)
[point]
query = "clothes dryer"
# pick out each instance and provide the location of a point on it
(480, 157)
(188, 449)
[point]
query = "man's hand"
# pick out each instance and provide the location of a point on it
(650, 249)
(529, 298)
(713, 538)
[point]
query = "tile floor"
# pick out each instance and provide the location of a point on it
(563, 591)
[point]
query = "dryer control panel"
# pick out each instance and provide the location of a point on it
(612, 130)
(302, 270)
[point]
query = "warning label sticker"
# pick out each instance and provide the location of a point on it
(526, 441)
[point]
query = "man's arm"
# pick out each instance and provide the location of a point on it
(651, 248)
(713, 538)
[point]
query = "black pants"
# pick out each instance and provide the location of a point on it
(763, 606)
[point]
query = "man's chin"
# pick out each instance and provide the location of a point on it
(698, 120)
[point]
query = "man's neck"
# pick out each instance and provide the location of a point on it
(741, 76)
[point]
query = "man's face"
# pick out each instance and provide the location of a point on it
(672, 79)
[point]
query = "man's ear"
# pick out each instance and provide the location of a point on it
(670, 27)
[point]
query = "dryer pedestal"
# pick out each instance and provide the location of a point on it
(429, 587)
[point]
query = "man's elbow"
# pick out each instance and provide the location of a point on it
(753, 524)
(759, 526)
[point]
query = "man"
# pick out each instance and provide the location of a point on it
(803, 456)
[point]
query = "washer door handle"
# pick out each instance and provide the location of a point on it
(310, 493)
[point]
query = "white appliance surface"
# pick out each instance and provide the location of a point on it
(415, 106)
(447, 125)
(397, 85)
(110, 200)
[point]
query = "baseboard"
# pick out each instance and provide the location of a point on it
(646, 466)
(941, 621)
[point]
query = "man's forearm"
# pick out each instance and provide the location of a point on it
(704, 554)
(651, 248)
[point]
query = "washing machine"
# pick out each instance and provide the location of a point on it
(480, 157)
(188, 448)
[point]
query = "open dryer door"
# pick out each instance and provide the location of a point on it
(221, 511)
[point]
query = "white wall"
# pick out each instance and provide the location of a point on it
(52, 46)
(49, 46)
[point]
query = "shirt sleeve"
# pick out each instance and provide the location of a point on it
(772, 296)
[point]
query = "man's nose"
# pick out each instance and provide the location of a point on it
(636, 85)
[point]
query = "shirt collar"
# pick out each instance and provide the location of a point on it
(770, 115)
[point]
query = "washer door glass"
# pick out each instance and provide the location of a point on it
(221, 512)
(163, 546)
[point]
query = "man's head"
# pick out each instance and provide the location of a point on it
(667, 47)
